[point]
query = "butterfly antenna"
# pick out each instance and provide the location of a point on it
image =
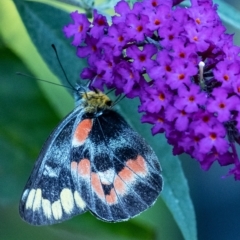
(42, 80)
(110, 91)
(118, 99)
(91, 87)
(55, 50)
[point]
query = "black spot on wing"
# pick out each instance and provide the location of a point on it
(102, 162)
(79, 153)
(118, 165)
(111, 124)
(107, 188)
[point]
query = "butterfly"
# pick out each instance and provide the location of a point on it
(93, 161)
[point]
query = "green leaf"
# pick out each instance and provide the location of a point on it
(81, 227)
(85, 4)
(228, 13)
(44, 24)
(17, 39)
(25, 122)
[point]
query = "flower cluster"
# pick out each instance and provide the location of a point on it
(179, 62)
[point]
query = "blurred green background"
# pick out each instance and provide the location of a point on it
(29, 110)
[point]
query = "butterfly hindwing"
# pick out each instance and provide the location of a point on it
(115, 171)
(50, 195)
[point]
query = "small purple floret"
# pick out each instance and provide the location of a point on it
(78, 29)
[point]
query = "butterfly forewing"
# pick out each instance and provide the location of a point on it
(50, 195)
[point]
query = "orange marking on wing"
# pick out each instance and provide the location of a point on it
(96, 185)
(126, 175)
(138, 165)
(111, 198)
(74, 166)
(119, 186)
(82, 131)
(84, 168)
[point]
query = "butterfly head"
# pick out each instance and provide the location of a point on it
(93, 101)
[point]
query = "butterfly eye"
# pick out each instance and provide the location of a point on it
(108, 103)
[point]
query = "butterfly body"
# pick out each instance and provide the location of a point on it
(93, 161)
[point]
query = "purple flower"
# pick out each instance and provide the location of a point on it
(213, 137)
(142, 59)
(136, 27)
(116, 38)
(182, 66)
(203, 17)
(235, 171)
(158, 17)
(226, 71)
(159, 121)
(184, 51)
(78, 29)
(122, 8)
(178, 117)
(163, 67)
(154, 4)
(124, 76)
(169, 32)
(99, 25)
(199, 38)
(181, 73)
(190, 98)
(223, 159)
(154, 99)
(222, 105)
(90, 49)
